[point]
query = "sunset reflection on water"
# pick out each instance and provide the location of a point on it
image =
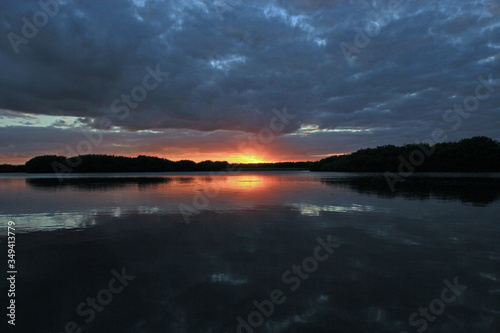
(39, 202)
(396, 248)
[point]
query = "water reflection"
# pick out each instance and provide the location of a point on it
(201, 277)
(111, 183)
(396, 250)
(475, 190)
(44, 203)
(99, 184)
(315, 210)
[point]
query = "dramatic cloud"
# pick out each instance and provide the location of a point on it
(353, 73)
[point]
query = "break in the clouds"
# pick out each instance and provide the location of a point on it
(195, 78)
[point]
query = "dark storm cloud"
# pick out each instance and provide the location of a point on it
(229, 66)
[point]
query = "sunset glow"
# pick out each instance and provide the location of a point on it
(250, 166)
(205, 85)
(246, 159)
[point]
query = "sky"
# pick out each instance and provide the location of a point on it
(244, 81)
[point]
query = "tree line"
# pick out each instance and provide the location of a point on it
(477, 154)
(111, 163)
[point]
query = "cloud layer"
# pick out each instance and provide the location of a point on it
(230, 63)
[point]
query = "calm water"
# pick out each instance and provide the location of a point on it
(254, 237)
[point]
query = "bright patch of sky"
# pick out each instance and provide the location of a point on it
(313, 129)
(487, 60)
(11, 118)
(139, 3)
(294, 21)
(227, 63)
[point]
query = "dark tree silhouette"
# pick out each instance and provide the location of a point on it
(12, 168)
(477, 154)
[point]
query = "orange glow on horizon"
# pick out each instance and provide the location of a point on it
(231, 158)
(196, 157)
(245, 159)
